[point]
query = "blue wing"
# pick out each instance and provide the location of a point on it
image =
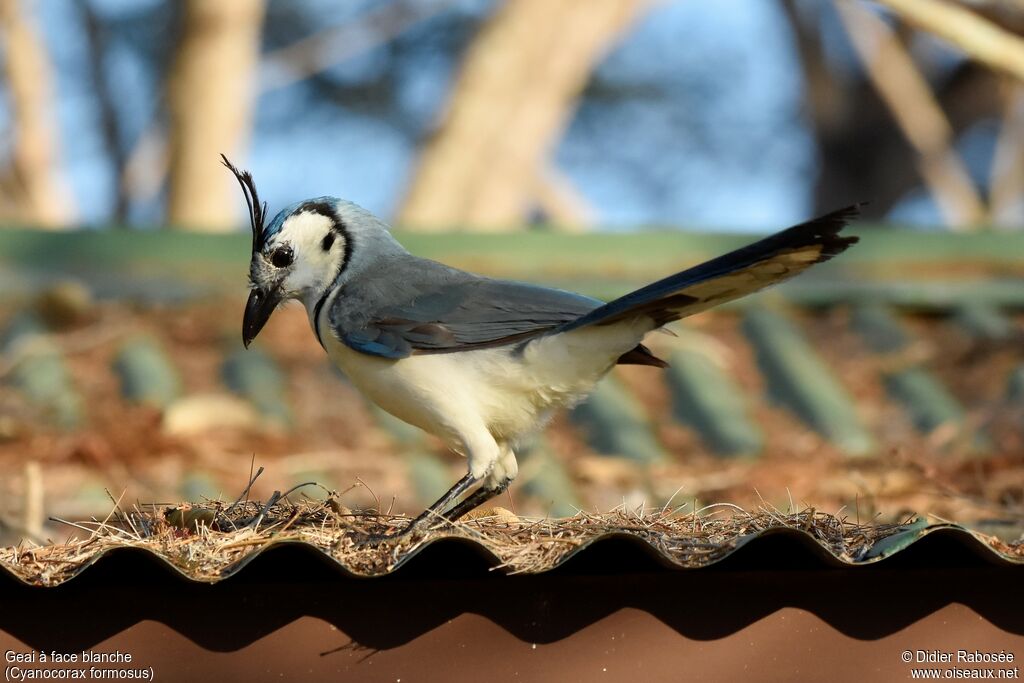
(409, 304)
(415, 305)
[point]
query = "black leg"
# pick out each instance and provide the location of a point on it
(475, 499)
(433, 512)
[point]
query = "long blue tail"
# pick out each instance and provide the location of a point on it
(738, 273)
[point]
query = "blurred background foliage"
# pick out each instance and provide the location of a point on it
(490, 114)
(887, 382)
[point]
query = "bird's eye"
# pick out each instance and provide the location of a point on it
(282, 257)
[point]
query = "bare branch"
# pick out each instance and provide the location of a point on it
(980, 39)
(905, 91)
(332, 46)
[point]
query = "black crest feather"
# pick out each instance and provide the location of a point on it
(257, 211)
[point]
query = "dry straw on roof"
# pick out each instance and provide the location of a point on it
(210, 542)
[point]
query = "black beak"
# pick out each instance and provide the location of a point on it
(257, 312)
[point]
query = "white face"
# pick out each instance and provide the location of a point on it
(316, 249)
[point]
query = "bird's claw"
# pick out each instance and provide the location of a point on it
(414, 528)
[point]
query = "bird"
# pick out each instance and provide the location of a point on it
(481, 363)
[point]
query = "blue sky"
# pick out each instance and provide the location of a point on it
(724, 143)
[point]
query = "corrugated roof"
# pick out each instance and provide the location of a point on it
(888, 383)
(210, 544)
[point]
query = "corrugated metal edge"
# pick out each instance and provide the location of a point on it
(902, 544)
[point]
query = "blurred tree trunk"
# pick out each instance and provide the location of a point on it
(1006, 193)
(908, 95)
(38, 195)
(862, 155)
(862, 151)
(106, 96)
(209, 98)
(485, 166)
(979, 38)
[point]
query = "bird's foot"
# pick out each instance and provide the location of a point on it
(475, 500)
(416, 527)
(432, 518)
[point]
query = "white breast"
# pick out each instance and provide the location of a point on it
(507, 392)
